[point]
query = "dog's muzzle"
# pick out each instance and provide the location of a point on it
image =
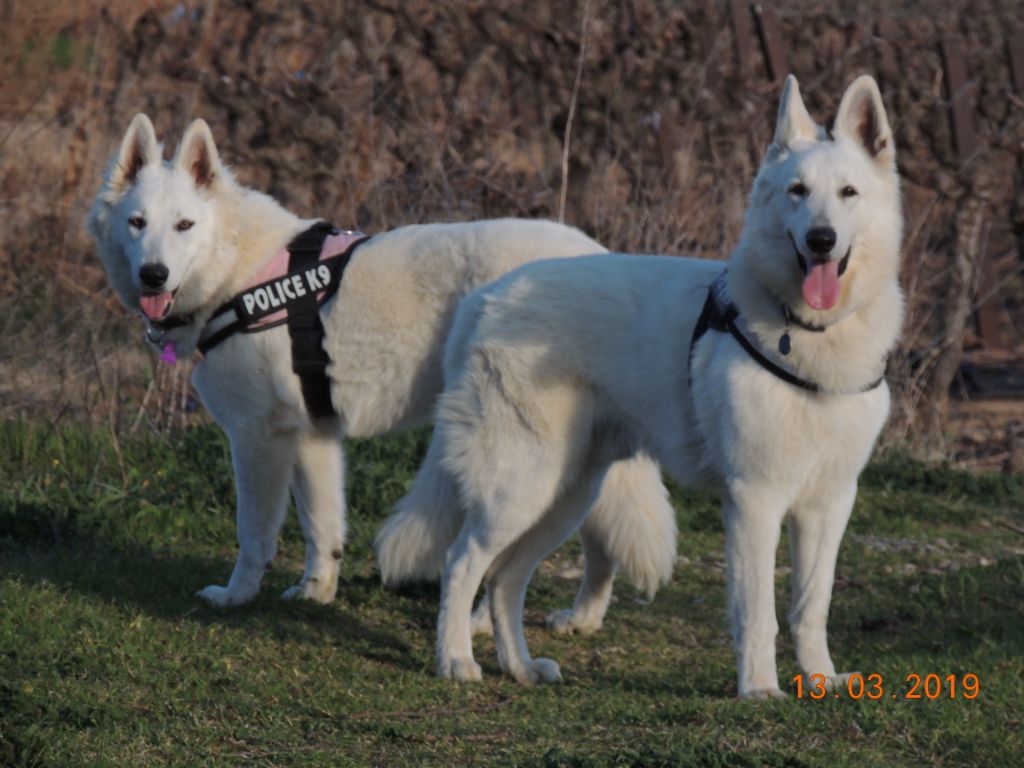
(801, 260)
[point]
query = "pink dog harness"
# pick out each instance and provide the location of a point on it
(290, 289)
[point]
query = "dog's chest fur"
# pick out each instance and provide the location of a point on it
(779, 434)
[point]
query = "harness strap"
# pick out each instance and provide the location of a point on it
(215, 338)
(723, 319)
(310, 281)
(306, 329)
(768, 365)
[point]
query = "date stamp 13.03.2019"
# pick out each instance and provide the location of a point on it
(874, 687)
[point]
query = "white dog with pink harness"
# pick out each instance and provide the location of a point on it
(213, 266)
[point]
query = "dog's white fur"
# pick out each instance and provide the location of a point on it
(562, 367)
(385, 330)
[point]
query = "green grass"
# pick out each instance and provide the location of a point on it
(107, 658)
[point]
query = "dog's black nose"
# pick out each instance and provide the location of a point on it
(821, 240)
(153, 275)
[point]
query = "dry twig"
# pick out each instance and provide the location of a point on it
(572, 111)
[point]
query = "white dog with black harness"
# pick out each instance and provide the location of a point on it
(764, 382)
(310, 333)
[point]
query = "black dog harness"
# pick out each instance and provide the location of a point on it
(313, 276)
(720, 314)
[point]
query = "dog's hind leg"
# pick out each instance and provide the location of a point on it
(469, 557)
(513, 448)
(511, 576)
(480, 622)
(319, 491)
(488, 531)
(587, 613)
(595, 593)
(630, 528)
(263, 459)
(815, 532)
(516, 500)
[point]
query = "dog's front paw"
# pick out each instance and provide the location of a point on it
(764, 694)
(568, 621)
(538, 672)
(311, 589)
(460, 670)
(223, 597)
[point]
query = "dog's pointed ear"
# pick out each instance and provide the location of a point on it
(862, 117)
(139, 148)
(197, 154)
(794, 122)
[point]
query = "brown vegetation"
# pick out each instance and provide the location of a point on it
(393, 111)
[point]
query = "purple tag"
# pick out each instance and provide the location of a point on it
(169, 355)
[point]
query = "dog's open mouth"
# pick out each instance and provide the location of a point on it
(820, 287)
(156, 305)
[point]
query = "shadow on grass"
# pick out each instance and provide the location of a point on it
(952, 623)
(708, 754)
(163, 586)
(953, 615)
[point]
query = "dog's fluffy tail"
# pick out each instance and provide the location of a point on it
(632, 519)
(635, 523)
(412, 543)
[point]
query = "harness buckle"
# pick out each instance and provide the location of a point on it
(155, 336)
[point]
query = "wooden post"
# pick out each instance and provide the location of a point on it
(962, 94)
(771, 42)
(888, 36)
(743, 31)
(961, 98)
(1015, 53)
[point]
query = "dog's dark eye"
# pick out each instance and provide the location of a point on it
(137, 222)
(184, 225)
(848, 191)
(799, 190)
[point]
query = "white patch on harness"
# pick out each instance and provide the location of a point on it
(279, 293)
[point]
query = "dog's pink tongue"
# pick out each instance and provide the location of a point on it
(821, 286)
(154, 305)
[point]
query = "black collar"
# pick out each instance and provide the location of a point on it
(157, 330)
(795, 319)
(720, 314)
